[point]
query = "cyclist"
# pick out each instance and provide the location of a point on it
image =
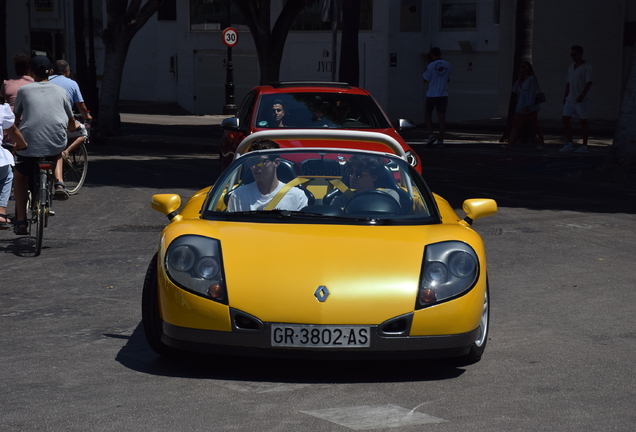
(61, 77)
(46, 115)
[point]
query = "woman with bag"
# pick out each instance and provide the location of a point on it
(529, 98)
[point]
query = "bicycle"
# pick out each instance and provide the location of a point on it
(76, 163)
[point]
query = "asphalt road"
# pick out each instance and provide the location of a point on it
(560, 354)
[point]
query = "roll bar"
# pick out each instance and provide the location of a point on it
(321, 134)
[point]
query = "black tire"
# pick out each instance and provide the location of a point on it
(150, 313)
(39, 228)
(75, 169)
(479, 346)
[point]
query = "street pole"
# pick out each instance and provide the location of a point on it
(229, 108)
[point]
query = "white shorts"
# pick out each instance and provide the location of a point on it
(576, 110)
(80, 132)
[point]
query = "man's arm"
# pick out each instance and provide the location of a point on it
(567, 92)
(81, 107)
(584, 92)
(17, 138)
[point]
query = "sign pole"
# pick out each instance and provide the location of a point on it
(230, 39)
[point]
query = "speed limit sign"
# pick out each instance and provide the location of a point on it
(230, 37)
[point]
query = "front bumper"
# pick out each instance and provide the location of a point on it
(258, 344)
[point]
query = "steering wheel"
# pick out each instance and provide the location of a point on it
(373, 202)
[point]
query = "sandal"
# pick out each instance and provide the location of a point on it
(60, 191)
(7, 222)
(21, 228)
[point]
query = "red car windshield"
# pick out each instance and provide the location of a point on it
(319, 110)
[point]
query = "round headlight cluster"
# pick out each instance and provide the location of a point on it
(194, 263)
(449, 269)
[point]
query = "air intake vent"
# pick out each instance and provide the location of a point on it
(243, 322)
(398, 326)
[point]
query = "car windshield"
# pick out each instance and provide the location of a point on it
(319, 110)
(321, 186)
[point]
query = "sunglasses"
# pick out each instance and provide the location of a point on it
(355, 173)
(259, 163)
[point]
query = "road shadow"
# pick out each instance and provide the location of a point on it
(137, 355)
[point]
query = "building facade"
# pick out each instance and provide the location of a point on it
(179, 55)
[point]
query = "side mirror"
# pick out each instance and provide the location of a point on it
(403, 124)
(167, 204)
(478, 208)
(230, 124)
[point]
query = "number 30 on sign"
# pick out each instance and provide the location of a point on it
(230, 37)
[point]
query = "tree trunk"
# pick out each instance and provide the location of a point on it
(623, 150)
(124, 19)
(349, 59)
(269, 42)
(524, 19)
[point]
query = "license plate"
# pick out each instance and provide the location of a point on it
(324, 336)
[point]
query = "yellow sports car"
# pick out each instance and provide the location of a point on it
(318, 252)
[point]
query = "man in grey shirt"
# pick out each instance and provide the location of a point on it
(45, 115)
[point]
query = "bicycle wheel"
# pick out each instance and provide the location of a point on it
(75, 168)
(38, 210)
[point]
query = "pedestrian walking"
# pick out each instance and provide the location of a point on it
(527, 110)
(576, 100)
(437, 76)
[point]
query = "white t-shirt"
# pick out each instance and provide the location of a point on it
(249, 198)
(7, 119)
(437, 75)
(577, 78)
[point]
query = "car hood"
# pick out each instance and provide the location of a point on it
(372, 273)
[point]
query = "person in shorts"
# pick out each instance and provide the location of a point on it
(437, 76)
(576, 100)
(45, 115)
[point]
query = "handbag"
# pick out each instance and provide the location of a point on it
(539, 98)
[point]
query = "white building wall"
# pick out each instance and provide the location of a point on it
(481, 79)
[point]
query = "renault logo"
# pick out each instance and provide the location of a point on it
(321, 293)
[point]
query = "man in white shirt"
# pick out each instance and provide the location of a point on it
(437, 76)
(575, 100)
(266, 186)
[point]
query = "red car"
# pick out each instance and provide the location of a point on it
(310, 105)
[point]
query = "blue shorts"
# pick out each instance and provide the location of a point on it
(576, 110)
(440, 103)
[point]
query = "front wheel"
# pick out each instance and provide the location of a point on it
(75, 169)
(150, 312)
(478, 347)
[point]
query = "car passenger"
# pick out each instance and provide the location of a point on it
(266, 187)
(363, 172)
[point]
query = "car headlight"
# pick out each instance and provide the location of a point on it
(194, 263)
(411, 158)
(449, 270)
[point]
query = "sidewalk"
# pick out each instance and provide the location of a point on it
(147, 122)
